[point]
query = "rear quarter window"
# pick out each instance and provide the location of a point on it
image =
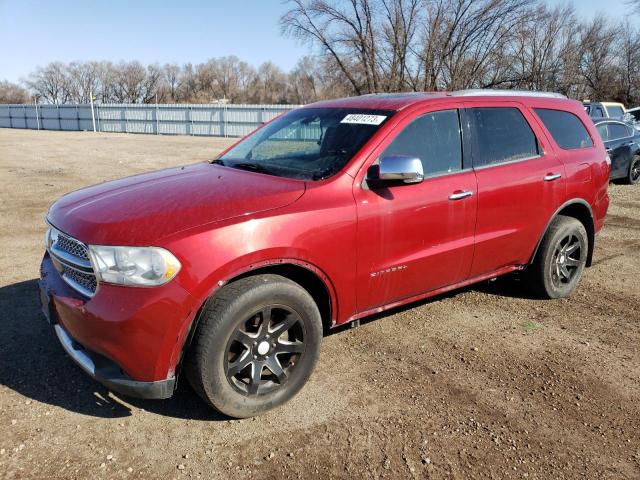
(566, 128)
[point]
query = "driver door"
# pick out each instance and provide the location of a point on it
(416, 238)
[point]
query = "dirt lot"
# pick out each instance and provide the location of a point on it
(480, 383)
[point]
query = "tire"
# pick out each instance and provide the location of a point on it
(234, 351)
(560, 260)
(633, 175)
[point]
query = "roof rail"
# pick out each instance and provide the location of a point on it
(477, 92)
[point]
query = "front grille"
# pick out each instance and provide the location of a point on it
(87, 281)
(72, 257)
(72, 247)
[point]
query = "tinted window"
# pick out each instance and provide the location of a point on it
(597, 112)
(603, 131)
(566, 129)
(635, 114)
(617, 130)
(435, 139)
(306, 143)
(501, 135)
(615, 111)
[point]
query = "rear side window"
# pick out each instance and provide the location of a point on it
(615, 111)
(501, 134)
(616, 130)
(566, 129)
(597, 112)
(434, 138)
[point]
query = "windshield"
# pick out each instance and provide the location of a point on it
(307, 143)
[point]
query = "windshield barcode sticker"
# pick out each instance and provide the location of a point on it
(364, 119)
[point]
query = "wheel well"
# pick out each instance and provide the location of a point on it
(582, 213)
(304, 277)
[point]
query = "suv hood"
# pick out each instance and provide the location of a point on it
(142, 209)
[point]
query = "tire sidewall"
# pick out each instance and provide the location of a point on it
(566, 227)
(225, 397)
(634, 161)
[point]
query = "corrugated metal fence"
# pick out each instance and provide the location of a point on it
(222, 120)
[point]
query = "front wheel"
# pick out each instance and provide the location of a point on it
(256, 345)
(560, 260)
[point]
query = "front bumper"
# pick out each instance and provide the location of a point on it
(129, 339)
(109, 374)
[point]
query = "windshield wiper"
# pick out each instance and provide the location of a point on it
(253, 167)
(217, 161)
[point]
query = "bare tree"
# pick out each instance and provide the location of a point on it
(12, 93)
(51, 83)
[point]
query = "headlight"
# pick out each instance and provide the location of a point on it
(50, 237)
(142, 266)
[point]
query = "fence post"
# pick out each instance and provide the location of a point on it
(35, 101)
(191, 119)
(59, 119)
(93, 117)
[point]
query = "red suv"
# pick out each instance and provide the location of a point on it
(228, 271)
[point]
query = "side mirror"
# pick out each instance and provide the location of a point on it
(396, 169)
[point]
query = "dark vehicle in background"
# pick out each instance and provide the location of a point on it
(622, 142)
(605, 109)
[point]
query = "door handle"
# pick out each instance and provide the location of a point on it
(460, 195)
(550, 177)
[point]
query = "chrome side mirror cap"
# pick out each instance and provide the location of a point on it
(396, 169)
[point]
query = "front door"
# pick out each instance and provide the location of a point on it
(414, 238)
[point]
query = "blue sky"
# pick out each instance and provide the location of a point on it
(35, 32)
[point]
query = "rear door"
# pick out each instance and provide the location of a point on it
(419, 237)
(620, 146)
(520, 183)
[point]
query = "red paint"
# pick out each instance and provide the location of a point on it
(373, 250)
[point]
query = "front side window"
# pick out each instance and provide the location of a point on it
(501, 135)
(566, 129)
(307, 143)
(434, 138)
(597, 112)
(603, 131)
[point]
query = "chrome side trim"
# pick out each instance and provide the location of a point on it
(496, 92)
(78, 356)
(72, 261)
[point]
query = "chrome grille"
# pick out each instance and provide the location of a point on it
(72, 259)
(86, 281)
(72, 247)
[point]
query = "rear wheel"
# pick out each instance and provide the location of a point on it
(256, 345)
(561, 258)
(633, 176)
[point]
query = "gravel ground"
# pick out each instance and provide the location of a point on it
(484, 382)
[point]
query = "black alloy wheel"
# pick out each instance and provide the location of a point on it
(264, 350)
(566, 260)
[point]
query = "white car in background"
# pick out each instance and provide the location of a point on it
(633, 117)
